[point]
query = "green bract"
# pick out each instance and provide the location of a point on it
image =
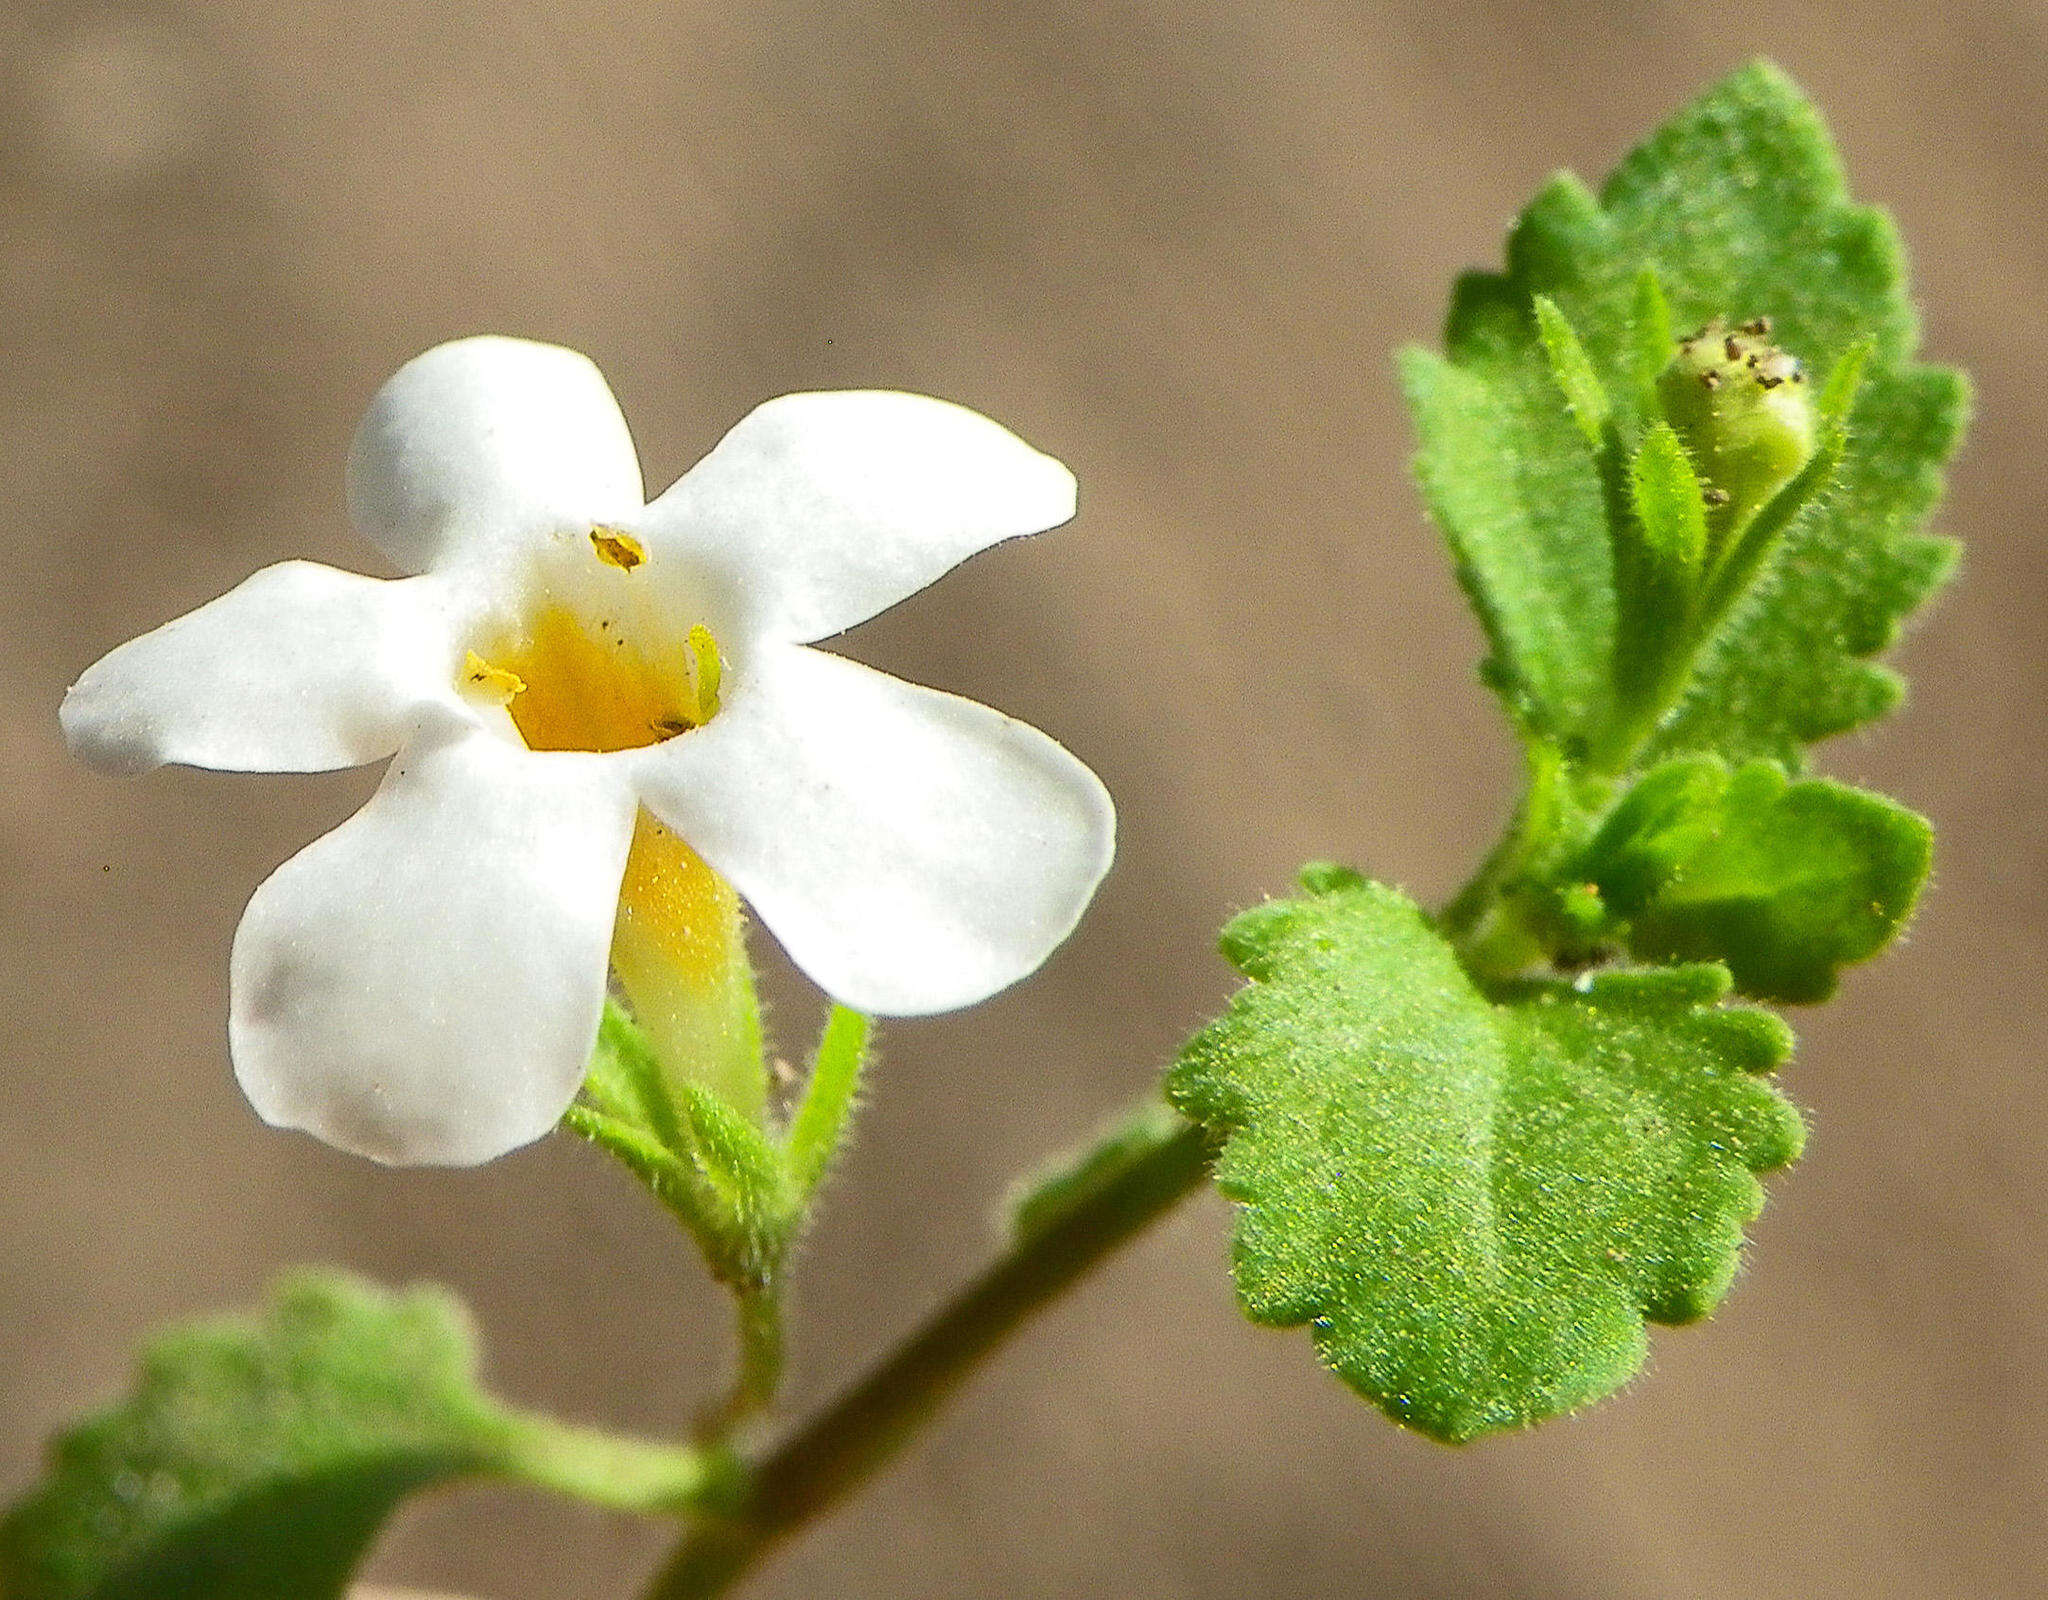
(1681, 453)
(257, 1459)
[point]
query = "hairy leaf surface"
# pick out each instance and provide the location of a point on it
(1784, 882)
(1736, 209)
(1475, 1200)
(257, 1458)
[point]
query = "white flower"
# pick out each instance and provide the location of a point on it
(423, 984)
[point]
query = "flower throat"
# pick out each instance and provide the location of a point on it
(624, 682)
(570, 685)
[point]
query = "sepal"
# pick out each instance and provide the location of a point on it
(721, 1175)
(742, 1189)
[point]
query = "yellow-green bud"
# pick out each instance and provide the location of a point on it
(1744, 410)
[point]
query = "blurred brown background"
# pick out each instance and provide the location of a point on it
(1173, 243)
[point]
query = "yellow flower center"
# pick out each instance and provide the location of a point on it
(620, 675)
(571, 686)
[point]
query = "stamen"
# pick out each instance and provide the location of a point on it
(617, 548)
(576, 684)
(488, 683)
(705, 672)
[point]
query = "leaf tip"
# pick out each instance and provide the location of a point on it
(1330, 877)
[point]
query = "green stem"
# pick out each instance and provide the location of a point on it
(831, 1455)
(603, 1469)
(762, 1351)
(757, 1320)
(1534, 825)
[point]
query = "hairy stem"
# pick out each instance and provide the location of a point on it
(842, 1446)
(1469, 919)
(1083, 1213)
(757, 1320)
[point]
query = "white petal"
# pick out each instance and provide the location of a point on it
(913, 851)
(300, 668)
(422, 986)
(488, 440)
(819, 510)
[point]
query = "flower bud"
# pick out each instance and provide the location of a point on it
(1744, 410)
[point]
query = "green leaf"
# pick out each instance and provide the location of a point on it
(257, 1458)
(1736, 209)
(1475, 1200)
(1514, 518)
(1784, 882)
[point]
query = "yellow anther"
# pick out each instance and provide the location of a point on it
(489, 683)
(705, 671)
(617, 548)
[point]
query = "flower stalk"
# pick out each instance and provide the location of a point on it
(827, 1458)
(762, 1358)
